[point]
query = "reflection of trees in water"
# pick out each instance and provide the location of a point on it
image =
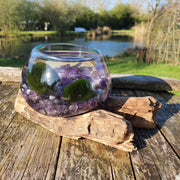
(14, 48)
(140, 39)
(100, 37)
(100, 33)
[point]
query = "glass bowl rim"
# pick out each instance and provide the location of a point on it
(36, 52)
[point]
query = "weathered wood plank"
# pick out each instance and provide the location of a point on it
(10, 74)
(7, 112)
(86, 159)
(168, 118)
(155, 158)
(171, 124)
(28, 151)
(7, 90)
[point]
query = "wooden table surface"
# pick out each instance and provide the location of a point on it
(28, 151)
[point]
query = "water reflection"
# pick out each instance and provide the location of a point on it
(20, 48)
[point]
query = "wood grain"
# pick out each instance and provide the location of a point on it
(28, 151)
(140, 111)
(154, 159)
(10, 74)
(168, 118)
(7, 91)
(86, 159)
(7, 99)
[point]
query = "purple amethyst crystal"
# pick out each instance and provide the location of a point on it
(85, 71)
(73, 108)
(103, 83)
(82, 106)
(92, 103)
(51, 111)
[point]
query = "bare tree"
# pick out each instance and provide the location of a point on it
(164, 34)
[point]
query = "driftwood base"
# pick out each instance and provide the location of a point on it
(140, 111)
(111, 128)
(100, 125)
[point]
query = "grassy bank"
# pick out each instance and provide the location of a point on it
(28, 33)
(35, 33)
(126, 65)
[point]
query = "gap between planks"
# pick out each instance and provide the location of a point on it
(57, 158)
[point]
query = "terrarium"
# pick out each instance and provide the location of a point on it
(63, 79)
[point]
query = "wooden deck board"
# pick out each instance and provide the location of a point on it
(7, 90)
(154, 159)
(7, 112)
(168, 118)
(28, 151)
(86, 159)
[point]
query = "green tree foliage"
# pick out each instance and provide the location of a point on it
(30, 14)
(10, 20)
(122, 16)
(104, 18)
(86, 18)
(60, 13)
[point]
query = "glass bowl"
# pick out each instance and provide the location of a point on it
(62, 79)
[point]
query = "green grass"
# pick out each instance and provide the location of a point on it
(126, 65)
(124, 32)
(29, 33)
(12, 62)
(37, 32)
(175, 92)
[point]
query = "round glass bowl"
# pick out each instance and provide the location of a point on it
(65, 79)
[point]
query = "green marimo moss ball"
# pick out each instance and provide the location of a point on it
(42, 78)
(79, 90)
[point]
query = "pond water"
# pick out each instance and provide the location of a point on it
(21, 47)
